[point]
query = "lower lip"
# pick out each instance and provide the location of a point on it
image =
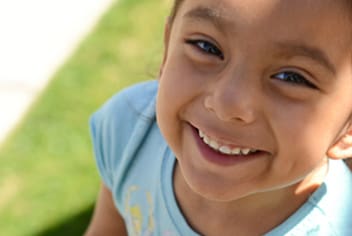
(220, 159)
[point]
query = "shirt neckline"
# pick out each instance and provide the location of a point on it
(176, 216)
(181, 225)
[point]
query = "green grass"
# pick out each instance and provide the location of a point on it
(48, 178)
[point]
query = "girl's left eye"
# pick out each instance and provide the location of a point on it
(206, 47)
(294, 78)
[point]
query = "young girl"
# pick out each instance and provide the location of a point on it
(243, 133)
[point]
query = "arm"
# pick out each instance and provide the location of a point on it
(349, 163)
(106, 219)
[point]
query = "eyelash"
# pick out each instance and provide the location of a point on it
(294, 78)
(206, 47)
(289, 76)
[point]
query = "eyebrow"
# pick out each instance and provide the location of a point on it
(218, 18)
(292, 48)
(214, 16)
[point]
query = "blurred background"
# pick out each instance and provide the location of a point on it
(59, 61)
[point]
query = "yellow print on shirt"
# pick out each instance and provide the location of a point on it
(135, 220)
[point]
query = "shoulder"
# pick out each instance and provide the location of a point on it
(329, 209)
(122, 111)
(119, 127)
(335, 198)
(134, 100)
(332, 202)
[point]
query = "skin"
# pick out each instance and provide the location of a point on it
(231, 82)
(349, 163)
(241, 98)
(106, 219)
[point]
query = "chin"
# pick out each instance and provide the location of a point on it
(212, 191)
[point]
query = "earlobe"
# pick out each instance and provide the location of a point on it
(343, 147)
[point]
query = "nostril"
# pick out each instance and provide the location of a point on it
(229, 111)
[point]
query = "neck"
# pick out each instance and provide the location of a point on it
(265, 210)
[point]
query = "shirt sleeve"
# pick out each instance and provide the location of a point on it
(98, 136)
(110, 132)
(113, 126)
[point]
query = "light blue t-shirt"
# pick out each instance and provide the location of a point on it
(137, 166)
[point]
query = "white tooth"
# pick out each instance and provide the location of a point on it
(245, 151)
(214, 144)
(235, 151)
(225, 149)
(201, 134)
(253, 150)
(206, 139)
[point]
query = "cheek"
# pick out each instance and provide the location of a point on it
(166, 110)
(305, 133)
(173, 94)
(179, 84)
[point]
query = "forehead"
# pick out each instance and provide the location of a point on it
(324, 23)
(259, 6)
(260, 12)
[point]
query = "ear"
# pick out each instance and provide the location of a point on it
(167, 32)
(343, 147)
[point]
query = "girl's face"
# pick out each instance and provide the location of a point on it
(266, 83)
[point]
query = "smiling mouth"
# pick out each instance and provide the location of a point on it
(225, 149)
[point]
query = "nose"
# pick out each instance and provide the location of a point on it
(233, 99)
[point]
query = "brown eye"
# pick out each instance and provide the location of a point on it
(294, 78)
(206, 47)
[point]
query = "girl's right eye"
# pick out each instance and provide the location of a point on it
(206, 47)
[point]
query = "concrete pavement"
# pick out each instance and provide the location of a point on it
(36, 37)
